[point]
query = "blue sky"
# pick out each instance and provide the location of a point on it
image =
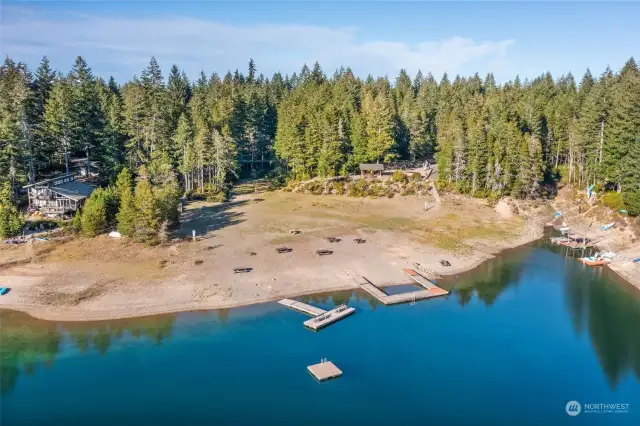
(526, 38)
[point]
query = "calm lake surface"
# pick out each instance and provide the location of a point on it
(515, 341)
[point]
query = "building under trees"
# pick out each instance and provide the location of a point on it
(57, 196)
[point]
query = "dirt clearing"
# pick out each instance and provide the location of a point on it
(104, 278)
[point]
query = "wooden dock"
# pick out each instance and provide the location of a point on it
(321, 318)
(329, 317)
(324, 371)
(420, 279)
(305, 308)
(411, 296)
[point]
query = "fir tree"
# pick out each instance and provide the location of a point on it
(127, 213)
(17, 154)
(252, 71)
(11, 221)
(87, 120)
(59, 123)
(94, 214)
(489, 139)
(379, 126)
(147, 221)
(179, 92)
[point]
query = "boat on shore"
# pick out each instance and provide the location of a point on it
(607, 226)
(595, 261)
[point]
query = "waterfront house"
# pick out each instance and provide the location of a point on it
(58, 195)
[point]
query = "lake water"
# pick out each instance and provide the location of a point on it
(515, 341)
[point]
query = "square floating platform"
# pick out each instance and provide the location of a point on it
(324, 371)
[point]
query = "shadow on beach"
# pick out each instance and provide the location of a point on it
(210, 218)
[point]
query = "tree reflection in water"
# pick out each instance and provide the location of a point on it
(610, 312)
(28, 343)
(595, 301)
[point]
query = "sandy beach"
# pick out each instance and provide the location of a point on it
(82, 279)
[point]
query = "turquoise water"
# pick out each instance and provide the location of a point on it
(516, 340)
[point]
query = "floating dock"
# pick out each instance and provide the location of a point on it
(305, 308)
(324, 371)
(420, 279)
(431, 290)
(321, 318)
(329, 317)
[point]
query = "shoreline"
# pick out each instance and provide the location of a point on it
(529, 235)
(624, 269)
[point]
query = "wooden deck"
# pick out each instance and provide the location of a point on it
(324, 371)
(411, 296)
(321, 318)
(329, 317)
(302, 307)
(420, 279)
(414, 296)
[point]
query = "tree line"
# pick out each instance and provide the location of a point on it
(489, 139)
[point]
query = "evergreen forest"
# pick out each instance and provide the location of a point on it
(154, 139)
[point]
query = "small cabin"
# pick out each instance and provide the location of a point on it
(371, 168)
(57, 196)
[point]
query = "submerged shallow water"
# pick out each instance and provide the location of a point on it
(516, 340)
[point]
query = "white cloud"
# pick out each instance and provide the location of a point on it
(122, 46)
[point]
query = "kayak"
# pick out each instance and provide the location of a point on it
(607, 226)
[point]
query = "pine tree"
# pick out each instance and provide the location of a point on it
(59, 123)
(622, 152)
(11, 221)
(256, 133)
(123, 182)
(252, 71)
(489, 139)
(126, 216)
(334, 142)
(166, 190)
(155, 118)
(42, 86)
(223, 158)
(379, 129)
(406, 118)
(183, 141)
(17, 147)
(478, 150)
(179, 93)
(94, 214)
(147, 222)
(88, 121)
(112, 149)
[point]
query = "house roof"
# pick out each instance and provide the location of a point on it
(50, 180)
(74, 190)
(372, 167)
